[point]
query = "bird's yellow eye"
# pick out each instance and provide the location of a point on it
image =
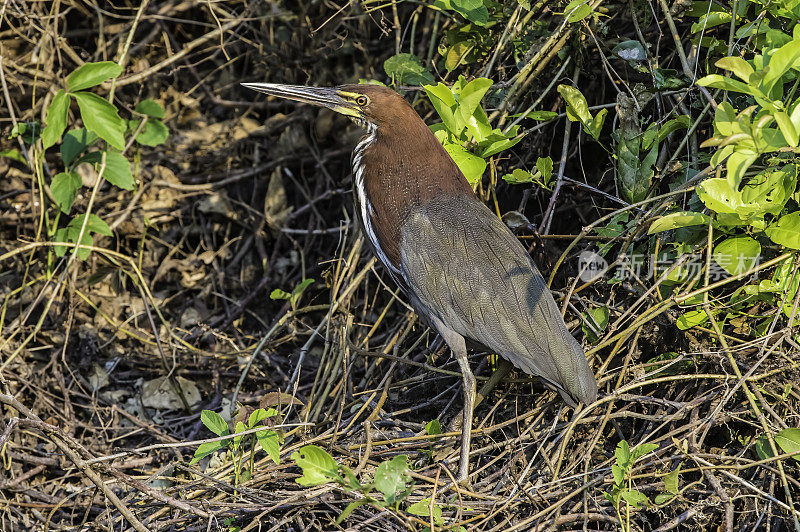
(362, 101)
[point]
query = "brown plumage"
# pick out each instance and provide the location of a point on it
(462, 269)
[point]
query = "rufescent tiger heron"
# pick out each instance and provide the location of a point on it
(461, 268)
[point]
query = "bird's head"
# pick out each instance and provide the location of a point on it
(365, 104)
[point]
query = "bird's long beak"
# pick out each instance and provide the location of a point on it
(322, 96)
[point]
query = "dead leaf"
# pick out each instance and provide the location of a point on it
(98, 378)
(276, 209)
(217, 203)
(158, 393)
(278, 398)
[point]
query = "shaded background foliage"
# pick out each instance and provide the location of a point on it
(248, 196)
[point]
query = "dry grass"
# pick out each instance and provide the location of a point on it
(181, 290)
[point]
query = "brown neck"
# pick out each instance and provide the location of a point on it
(403, 167)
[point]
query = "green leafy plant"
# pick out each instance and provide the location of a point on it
(594, 322)
(293, 296)
(623, 488)
(474, 11)
(78, 146)
(543, 176)
(465, 131)
(407, 69)
(787, 440)
(754, 202)
(578, 111)
(241, 445)
(391, 478)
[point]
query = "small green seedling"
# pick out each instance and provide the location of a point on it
(269, 440)
(622, 488)
(293, 296)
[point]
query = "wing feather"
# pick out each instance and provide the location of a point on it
(465, 268)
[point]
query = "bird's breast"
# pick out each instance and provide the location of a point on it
(394, 175)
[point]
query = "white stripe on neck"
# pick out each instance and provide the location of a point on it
(363, 201)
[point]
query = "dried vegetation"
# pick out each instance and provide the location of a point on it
(106, 363)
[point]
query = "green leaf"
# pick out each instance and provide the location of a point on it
(470, 98)
(472, 10)
(623, 454)
(682, 122)
(577, 108)
(720, 82)
(595, 125)
(784, 123)
(153, 133)
(351, 482)
(497, 142)
(671, 481)
(789, 441)
(423, 509)
(94, 224)
(577, 10)
(716, 193)
(91, 74)
(635, 498)
(205, 449)
(407, 69)
(780, 62)
(709, 20)
(56, 119)
(102, 118)
(118, 171)
(349, 509)
(763, 449)
(691, 319)
(150, 108)
(65, 188)
(444, 101)
(318, 466)
(738, 66)
(260, 414)
(269, 440)
(392, 476)
(619, 475)
(75, 142)
(14, 155)
(545, 167)
(238, 428)
(737, 164)
(459, 53)
(737, 254)
(279, 294)
(677, 220)
(433, 427)
(471, 165)
(613, 497)
(61, 236)
(641, 450)
(542, 116)
(72, 234)
(786, 232)
(518, 177)
(214, 422)
(662, 498)
(594, 322)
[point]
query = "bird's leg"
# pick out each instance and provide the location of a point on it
(469, 401)
(459, 348)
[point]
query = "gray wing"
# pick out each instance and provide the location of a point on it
(464, 267)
